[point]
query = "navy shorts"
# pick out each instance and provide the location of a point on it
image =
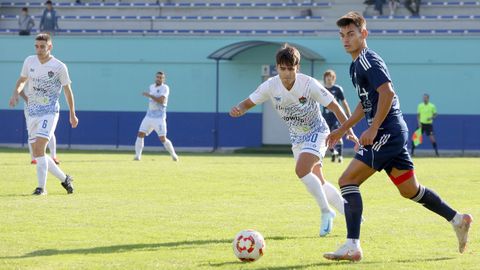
(333, 124)
(388, 151)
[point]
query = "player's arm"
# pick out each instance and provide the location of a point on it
(22, 94)
(16, 91)
(242, 108)
(160, 99)
(346, 108)
(71, 105)
(342, 118)
(346, 126)
(385, 100)
(434, 113)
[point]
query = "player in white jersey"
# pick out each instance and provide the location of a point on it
(46, 76)
(52, 143)
(297, 99)
(156, 117)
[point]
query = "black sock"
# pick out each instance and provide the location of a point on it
(430, 200)
(413, 148)
(353, 210)
(435, 147)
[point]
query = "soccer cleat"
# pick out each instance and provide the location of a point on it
(462, 231)
(136, 158)
(67, 184)
(345, 252)
(56, 160)
(39, 191)
(327, 223)
(333, 157)
(340, 159)
(175, 158)
(33, 162)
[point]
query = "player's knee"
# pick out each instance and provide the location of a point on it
(301, 171)
(141, 135)
(162, 139)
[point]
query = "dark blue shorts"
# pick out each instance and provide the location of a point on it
(388, 151)
(333, 124)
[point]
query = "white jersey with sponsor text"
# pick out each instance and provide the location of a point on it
(299, 107)
(155, 109)
(45, 83)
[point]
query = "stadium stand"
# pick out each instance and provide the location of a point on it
(258, 17)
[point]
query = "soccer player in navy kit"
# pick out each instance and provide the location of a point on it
(329, 78)
(383, 143)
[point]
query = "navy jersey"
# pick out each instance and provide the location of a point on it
(337, 92)
(368, 72)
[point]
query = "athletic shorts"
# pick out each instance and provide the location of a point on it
(41, 126)
(315, 144)
(333, 124)
(158, 124)
(388, 151)
(427, 129)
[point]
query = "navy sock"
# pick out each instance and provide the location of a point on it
(339, 148)
(430, 200)
(435, 147)
(353, 210)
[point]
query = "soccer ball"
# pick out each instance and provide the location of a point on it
(248, 245)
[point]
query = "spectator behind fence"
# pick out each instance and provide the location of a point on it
(413, 6)
(379, 6)
(49, 23)
(25, 23)
(393, 5)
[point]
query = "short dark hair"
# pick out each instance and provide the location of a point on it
(352, 17)
(427, 95)
(288, 55)
(25, 9)
(48, 2)
(160, 73)
(44, 37)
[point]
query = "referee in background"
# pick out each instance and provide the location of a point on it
(426, 112)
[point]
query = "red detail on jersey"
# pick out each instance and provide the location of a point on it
(402, 178)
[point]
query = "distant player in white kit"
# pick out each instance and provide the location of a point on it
(46, 76)
(297, 99)
(156, 117)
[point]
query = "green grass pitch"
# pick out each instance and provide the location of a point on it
(158, 214)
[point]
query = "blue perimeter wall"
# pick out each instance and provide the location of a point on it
(109, 73)
(196, 129)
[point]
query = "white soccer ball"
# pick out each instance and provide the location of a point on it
(248, 245)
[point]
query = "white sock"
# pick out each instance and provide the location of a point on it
(315, 188)
(168, 145)
(457, 219)
(138, 147)
(52, 146)
(334, 197)
(31, 152)
(42, 169)
(54, 169)
(355, 243)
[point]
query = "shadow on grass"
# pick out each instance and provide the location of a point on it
(327, 263)
(133, 247)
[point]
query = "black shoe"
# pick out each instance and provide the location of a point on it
(333, 157)
(67, 184)
(39, 191)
